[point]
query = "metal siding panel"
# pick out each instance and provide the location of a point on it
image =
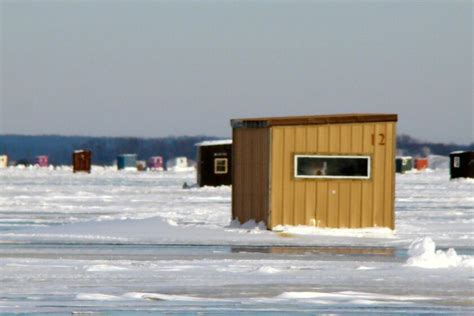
(245, 198)
(288, 194)
(299, 185)
(277, 176)
(355, 196)
(352, 203)
(345, 138)
(389, 176)
(344, 203)
(322, 187)
(236, 182)
(253, 211)
(323, 139)
(250, 188)
(345, 185)
(333, 203)
(322, 204)
(393, 174)
(355, 186)
(259, 189)
(356, 139)
(241, 169)
(266, 175)
(239, 172)
(310, 189)
(367, 186)
(333, 188)
(378, 181)
(334, 139)
(262, 174)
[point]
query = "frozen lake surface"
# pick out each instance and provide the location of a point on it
(131, 243)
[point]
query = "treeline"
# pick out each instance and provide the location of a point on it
(407, 145)
(23, 149)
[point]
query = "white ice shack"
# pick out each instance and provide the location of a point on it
(177, 163)
(3, 161)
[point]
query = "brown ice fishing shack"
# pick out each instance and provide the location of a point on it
(214, 163)
(324, 171)
(81, 161)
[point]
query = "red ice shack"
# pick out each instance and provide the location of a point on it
(421, 163)
(155, 163)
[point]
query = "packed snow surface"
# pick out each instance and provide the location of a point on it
(131, 242)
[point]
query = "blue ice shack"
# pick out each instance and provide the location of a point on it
(127, 161)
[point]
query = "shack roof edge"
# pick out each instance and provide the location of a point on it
(313, 120)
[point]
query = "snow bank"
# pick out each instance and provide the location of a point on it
(268, 270)
(250, 225)
(350, 296)
(103, 268)
(162, 297)
(181, 169)
(136, 296)
(423, 254)
(96, 297)
(376, 232)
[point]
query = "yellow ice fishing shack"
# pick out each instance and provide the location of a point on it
(325, 170)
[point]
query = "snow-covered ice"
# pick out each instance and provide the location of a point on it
(136, 241)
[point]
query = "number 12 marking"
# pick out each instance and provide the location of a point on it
(381, 139)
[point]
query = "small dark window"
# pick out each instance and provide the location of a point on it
(220, 166)
(342, 167)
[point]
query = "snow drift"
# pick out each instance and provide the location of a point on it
(423, 254)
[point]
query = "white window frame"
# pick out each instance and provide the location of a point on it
(457, 162)
(295, 167)
(226, 160)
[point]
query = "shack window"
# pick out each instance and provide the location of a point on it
(457, 162)
(340, 167)
(220, 165)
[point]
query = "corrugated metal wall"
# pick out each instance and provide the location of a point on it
(333, 202)
(250, 194)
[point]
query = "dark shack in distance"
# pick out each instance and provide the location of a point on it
(214, 163)
(403, 164)
(461, 164)
(81, 161)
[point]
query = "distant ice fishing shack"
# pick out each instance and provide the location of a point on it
(82, 161)
(461, 164)
(325, 170)
(214, 163)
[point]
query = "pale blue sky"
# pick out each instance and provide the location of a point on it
(152, 68)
